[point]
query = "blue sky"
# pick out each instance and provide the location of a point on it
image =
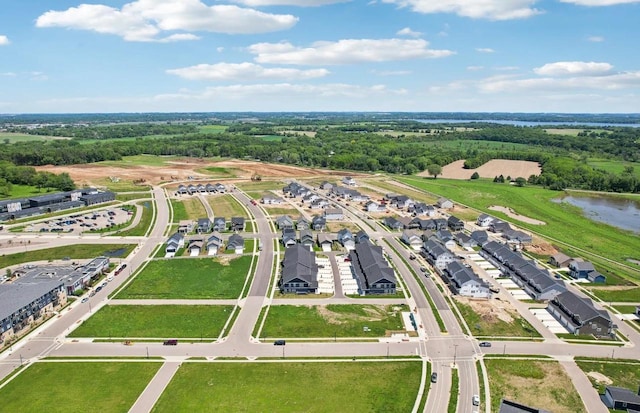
(320, 55)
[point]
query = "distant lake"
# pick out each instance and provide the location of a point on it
(621, 213)
(527, 123)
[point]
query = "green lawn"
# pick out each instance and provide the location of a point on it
(78, 251)
(621, 374)
(343, 320)
(493, 326)
(156, 321)
(26, 191)
(325, 387)
(144, 224)
(189, 278)
(25, 137)
(614, 166)
(625, 309)
(188, 208)
(564, 222)
(260, 185)
(179, 210)
(226, 206)
(541, 384)
(140, 160)
(212, 128)
(95, 387)
(631, 295)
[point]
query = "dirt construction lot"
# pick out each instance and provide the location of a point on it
(491, 169)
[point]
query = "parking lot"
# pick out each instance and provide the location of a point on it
(78, 223)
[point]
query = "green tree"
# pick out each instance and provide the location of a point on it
(475, 176)
(434, 170)
(520, 181)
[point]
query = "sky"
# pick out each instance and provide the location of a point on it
(573, 56)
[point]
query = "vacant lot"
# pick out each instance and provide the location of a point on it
(267, 387)
(78, 251)
(610, 372)
(190, 278)
(493, 168)
(188, 208)
(542, 384)
(484, 318)
(77, 387)
(155, 321)
(333, 320)
(617, 294)
(226, 206)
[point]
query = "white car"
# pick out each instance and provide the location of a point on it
(475, 400)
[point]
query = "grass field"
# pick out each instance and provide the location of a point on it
(493, 326)
(25, 191)
(155, 321)
(144, 224)
(189, 278)
(217, 171)
(94, 387)
(25, 137)
(140, 160)
(565, 223)
(179, 211)
(212, 128)
(542, 384)
(226, 206)
(621, 374)
(614, 166)
(389, 387)
(188, 208)
(79, 251)
(260, 186)
(343, 320)
(617, 294)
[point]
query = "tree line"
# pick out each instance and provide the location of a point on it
(11, 174)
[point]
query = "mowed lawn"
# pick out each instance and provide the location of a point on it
(226, 206)
(541, 384)
(325, 387)
(189, 278)
(77, 387)
(155, 321)
(188, 208)
(339, 320)
(78, 251)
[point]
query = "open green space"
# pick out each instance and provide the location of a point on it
(9, 137)
(26, 191)
(541, 384)
(188, 208)
(126, 196)
(140, 160)
(489, 325)
(259, 185)
(189, 278)
(389, 387)
(143, 225)
(212, 128)
(625, 309)
(617, 294)
(179, 210)
(340, 320)
(78, 251)
(155, 321)
(226, 206)
(79, 387)
(615, 166)
(564, 222)
(622, 374)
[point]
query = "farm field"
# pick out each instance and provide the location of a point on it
(79, 251)
(104, 387)
(25, 137)
(341, 320)
(155, 321)
(226, 206)
(354, 387)
(541, 384)
(491, 169)
(212, 128)
(564, 223)
(189, 278)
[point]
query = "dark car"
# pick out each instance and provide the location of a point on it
(485, 344)
(170, 342)
(434, 377)
(279, 343)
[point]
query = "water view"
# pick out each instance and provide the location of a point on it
(621, 213)
(532, 123)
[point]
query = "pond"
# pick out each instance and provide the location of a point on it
(621, 213)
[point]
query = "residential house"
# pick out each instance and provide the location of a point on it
(289, 237)
(463, 281)
(185, 226)
(464, 240)
(284, 222)
(485, 220)
(235, 243)
(446, 238)
(319, 204)
(580, 316)
(412, 238)
(220, 224)
(299, 271)
(346, 239)
(302, 223)
(294, 190)
(436, 253)
(392, 223)
(201, 188)
(238, 224)
(195, 246)
(327, 186)
(204, 225)
(221, 188)
(210, 188)
(271, 200)
(325, 241)
(192, 189)
(349, 181)
(560, 260)
(422, 209)
(619, 398)
(174, 243)
(306, 238)
(455, 223)
(429, 225)
(499, 226)
(480, 237)
(580, 269)
(214, 243)
(441, 223)
(318, 223)
(402, 202)
(361, 236)
(358, 197)
(182, 190)
(371, 271)
(444, 203)
(310, 198)
(508, 406)
(333, 214)
(517, 237)
(373, 206)
(415, 223)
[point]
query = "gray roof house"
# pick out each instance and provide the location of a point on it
(619, 398)
(214, 242)
(346, 239)
(238, 224)
(464, 240)
(559, 260)
(284, 222)
(318, 223)
(444, 203)
(220, 224)
(204, 225)
(516, 236)
(372, 273)
(289, 237)
(392, 223)
(499, 226)
(412, 238)
(361, 236)
(580, 269)
(485, 220)
(480, 237)
(325, 241)
(508, 406)
(436, 253)
(23, 304)
(580, 316)
(463, 281)
(306, 238)
(175, 242)
(455, 223)
(195, 246)
(299, 271)
(236, 243)
(333, 214)
(302, 223)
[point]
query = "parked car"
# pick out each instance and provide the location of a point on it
(423, 269)
(485, 344)
(170, 342)
(279, 343)
(475, 400)
(412, 256)
(434, 377)
(85, 299)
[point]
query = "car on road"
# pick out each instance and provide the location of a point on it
(98, 289)
(434, 377)
(475, 400)
(279, 343)
(85, 299)
(104, 284)
(485, 344)
(412, 256)
(172, 342)
(423, 269)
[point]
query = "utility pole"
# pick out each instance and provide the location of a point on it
(455, 353)
(147, 352)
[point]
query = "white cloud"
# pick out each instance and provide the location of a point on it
(244, 71)
(599, 2)
(474, 68)
(595, 39)
(573, 69)
(145, 20)
(345, 51)
(408, 32)
(507, 68)
(391, 72)
(300, 3)
(616, 81)
(4, 40)
(484, 50)
(475, 9)
(8, 74)
(220, 49)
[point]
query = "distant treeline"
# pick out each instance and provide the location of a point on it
(11, 174)
(107, 132)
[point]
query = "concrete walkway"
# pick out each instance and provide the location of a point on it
(587, 393)
(154, 389)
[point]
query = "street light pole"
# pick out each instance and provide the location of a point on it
(455, 353)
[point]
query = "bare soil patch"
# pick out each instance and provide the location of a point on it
(541, 247)
(600, 378)
(488, 310)
(491, 169)
(512, 214)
